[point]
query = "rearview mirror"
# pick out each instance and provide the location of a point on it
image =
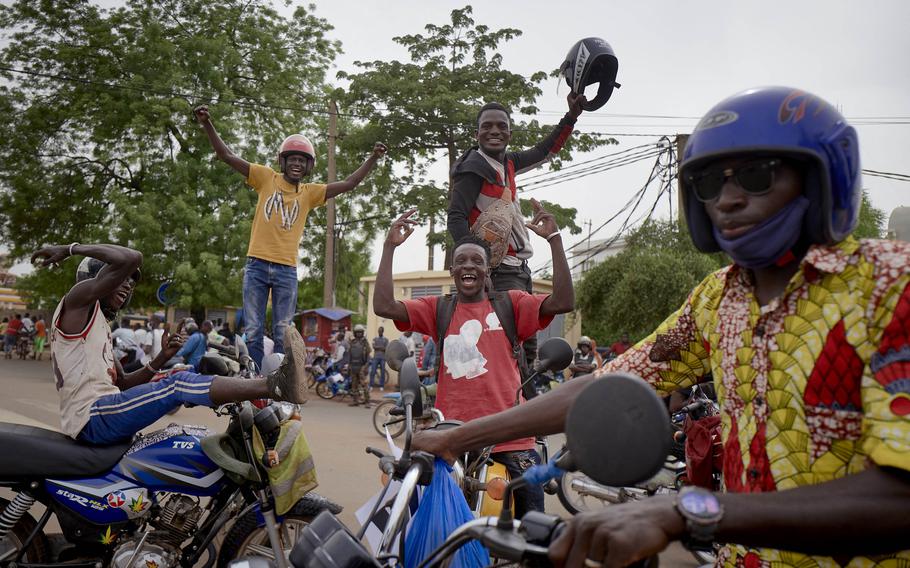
(554, 355)
(409, 382)
(395, 354)
(618, 432)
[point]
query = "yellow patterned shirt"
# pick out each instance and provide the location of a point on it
(813, 386)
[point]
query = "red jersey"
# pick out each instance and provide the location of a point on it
(619, 347)
(479, 376)
(13, 327)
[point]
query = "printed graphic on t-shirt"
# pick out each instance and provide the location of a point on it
(461, 356)
(274, 205)
(493, 322)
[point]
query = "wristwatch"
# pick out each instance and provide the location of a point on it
(702, 513)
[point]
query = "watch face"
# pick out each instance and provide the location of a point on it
(700, 504)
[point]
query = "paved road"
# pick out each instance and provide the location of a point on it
(337, 435)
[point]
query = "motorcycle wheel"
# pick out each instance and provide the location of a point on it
(572, 500)
(247, 539)
(381, 416)
(324, 390)
(37, 551)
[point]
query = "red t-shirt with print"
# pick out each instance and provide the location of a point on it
(479, 375)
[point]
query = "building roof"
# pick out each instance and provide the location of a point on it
(334, 314)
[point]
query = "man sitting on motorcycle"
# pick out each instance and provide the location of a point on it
(584, 361)
(806, 337)
(100, 404)
(478, 369)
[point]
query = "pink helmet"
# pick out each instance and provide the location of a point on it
(295, 144)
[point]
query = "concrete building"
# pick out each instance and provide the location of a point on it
(899, 224)
(589, 253)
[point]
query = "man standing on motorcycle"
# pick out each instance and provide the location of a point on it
(281, 211)
(479, 368)
(806, 337)
(359, 360)
(100, 404)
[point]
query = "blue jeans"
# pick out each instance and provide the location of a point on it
(529, 497)
(259, 278)
(116, 417)
(377, 363)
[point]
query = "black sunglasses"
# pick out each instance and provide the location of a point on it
(756, 178)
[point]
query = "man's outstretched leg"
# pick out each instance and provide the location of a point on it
(118, 417)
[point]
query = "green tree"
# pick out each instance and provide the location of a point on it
(871, 220)
(635, 290)
(105, 148)
(426, 108)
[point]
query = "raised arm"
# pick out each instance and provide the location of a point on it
(337, 188)
(562, 300)
(384, 303)
(121, 263)
(224, 153)
(553, 143)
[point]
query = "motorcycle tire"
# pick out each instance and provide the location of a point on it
(246, 538)
(572, 500)
(324, 390)
(381, 416)
(37, 552)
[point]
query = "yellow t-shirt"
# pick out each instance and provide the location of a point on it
(281, 213)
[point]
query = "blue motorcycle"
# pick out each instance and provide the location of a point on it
(332, 381)
(157, 501)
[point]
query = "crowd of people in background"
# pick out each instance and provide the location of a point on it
(24, 335)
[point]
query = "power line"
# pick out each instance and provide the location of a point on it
(887, 175)
(556, 180)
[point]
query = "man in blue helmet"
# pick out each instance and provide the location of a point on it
(807, 335)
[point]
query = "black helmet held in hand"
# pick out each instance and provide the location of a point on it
(590, 61)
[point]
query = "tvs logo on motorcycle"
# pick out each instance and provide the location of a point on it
(116, 499)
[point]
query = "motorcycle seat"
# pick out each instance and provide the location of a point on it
(30, 452)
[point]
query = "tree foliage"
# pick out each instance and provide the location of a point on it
(871, 223)
(105, 148)
(635, 290)
(426, 108)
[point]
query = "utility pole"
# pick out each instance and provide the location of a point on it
(328, 290)
(430, 257)
(681, 140)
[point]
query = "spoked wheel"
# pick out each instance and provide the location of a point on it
(324, 390)
(381, 416)
(246, 538)
(37, 552)
(578, 493)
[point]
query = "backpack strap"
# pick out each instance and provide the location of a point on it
(505, 311)
(445, 309)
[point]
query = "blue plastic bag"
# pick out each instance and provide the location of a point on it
(442, 509)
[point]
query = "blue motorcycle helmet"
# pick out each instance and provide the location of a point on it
(786, 122)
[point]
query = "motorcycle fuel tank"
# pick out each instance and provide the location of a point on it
(172, 460)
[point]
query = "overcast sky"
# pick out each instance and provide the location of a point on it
(676, 59)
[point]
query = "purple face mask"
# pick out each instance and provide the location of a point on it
(769, 241)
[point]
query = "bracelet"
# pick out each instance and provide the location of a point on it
(71, 248)
(148, 367)
(551, 235)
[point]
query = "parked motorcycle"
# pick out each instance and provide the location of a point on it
(159, 500)
(388, 413)
(332, 382)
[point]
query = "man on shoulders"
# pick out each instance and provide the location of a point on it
(485, 197)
